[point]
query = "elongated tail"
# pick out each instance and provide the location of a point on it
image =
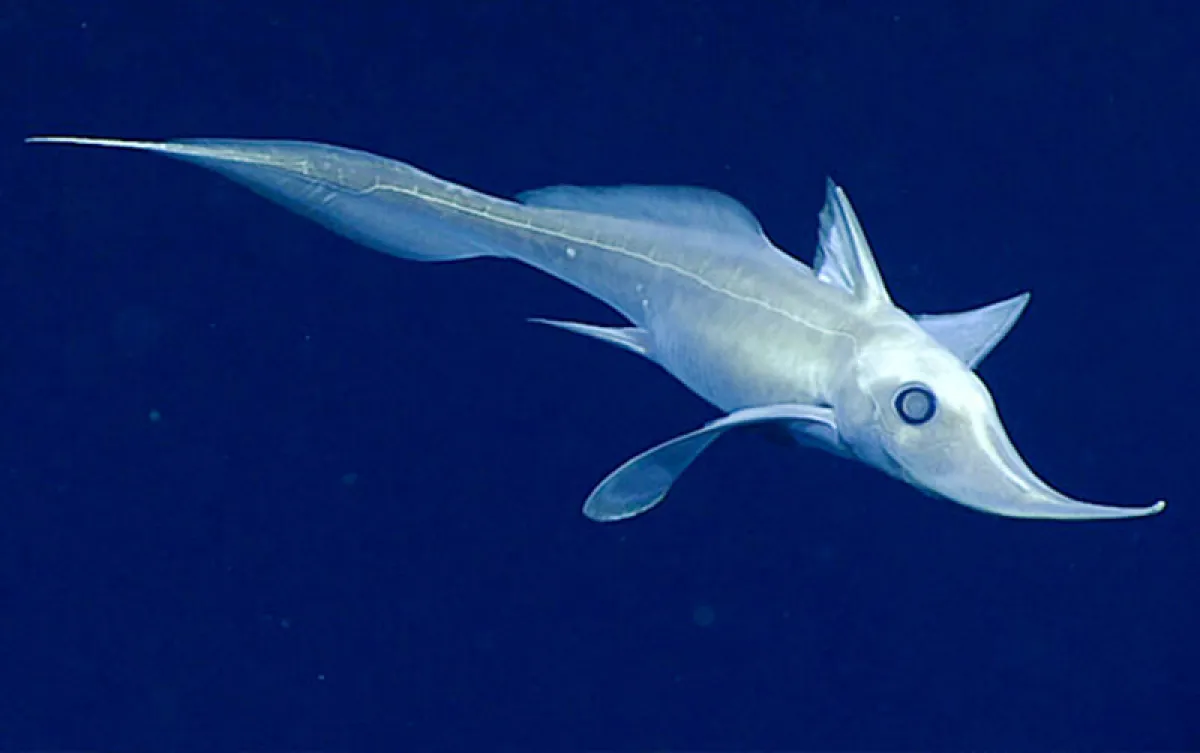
(395, 208)
(381, 203)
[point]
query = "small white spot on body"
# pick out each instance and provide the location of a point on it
(571, 253)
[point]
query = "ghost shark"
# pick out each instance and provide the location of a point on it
(820, 354)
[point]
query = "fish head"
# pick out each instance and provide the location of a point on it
(915, 410)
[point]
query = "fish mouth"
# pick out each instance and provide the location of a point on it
(992, 477)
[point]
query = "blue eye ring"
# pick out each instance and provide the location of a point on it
(915, 404)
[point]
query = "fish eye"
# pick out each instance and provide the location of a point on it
(915, 403)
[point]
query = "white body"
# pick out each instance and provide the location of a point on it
(760, 335)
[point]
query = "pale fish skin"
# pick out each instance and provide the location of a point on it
(820, 352)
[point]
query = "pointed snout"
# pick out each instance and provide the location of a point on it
(995, 479)
(1042, 502)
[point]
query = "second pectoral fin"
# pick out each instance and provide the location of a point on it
(642, 482)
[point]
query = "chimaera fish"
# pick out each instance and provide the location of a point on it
(822, 353)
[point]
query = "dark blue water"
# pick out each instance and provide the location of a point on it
(262, 488)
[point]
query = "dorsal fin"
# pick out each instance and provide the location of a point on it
(844, 257)
(680, 206)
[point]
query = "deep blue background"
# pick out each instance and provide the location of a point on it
(356, 522)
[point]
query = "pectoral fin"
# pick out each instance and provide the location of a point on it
(971, 335)
(643, 481)
(630, 338)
